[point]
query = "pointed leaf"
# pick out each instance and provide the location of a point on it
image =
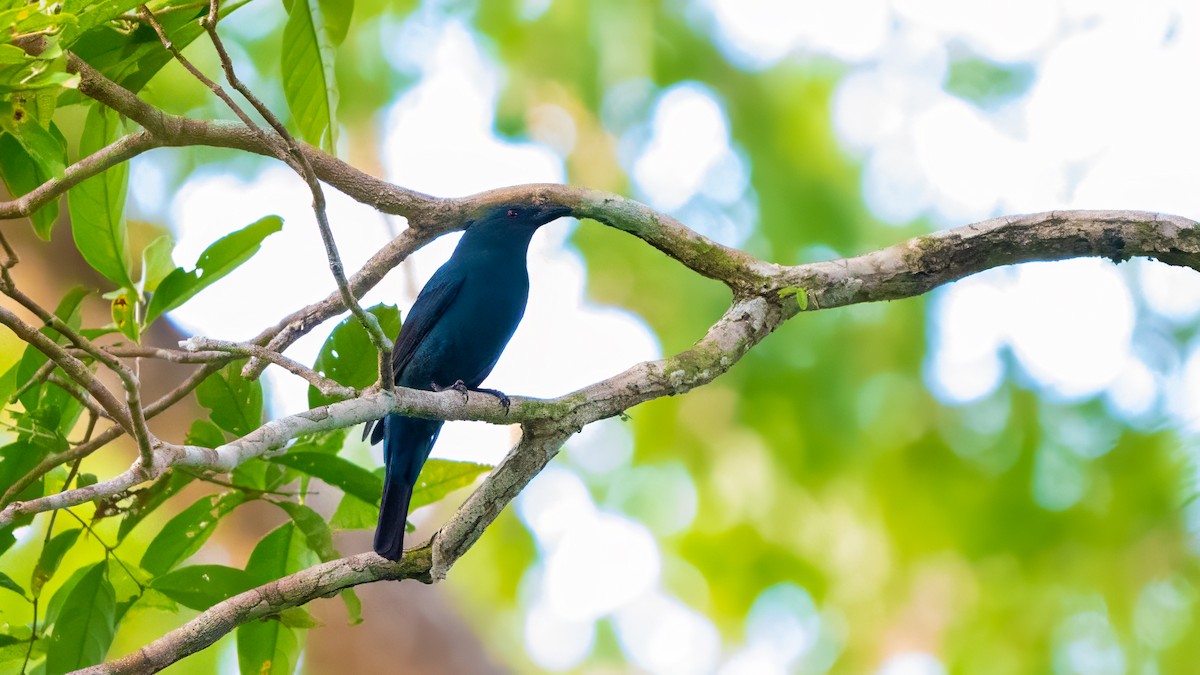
(270, 646)
(348, 357)
(218, 260)
(336, 471)
(316, 531)
(44, 144)
(310, 37)
(440, 477)
(7, 582)
(51, 557)
(86, 624)
(353, 513)
(21, 175)
(156, 263)
(235, 403)
(202, 586)
(97, 205)
(184, 534)
(266, 648)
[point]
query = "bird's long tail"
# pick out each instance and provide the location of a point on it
(406, 445)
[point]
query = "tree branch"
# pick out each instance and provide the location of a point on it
(263, 602)
(328, 387)
(904, 270)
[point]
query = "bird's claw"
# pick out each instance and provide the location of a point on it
(459, 386)
(501, 397)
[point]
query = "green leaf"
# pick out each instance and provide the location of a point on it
(44, 144)
(85, 627)
(16, 460)
(336, 471)
(97, 205)
(440, 477)
(280, 553)
(21, 175)
(70, 311)
(218, 260)
(50, 412)
(156, 263)
(202, 586)
(348, 357)
(50, 558)
(132, 57)
(184, 534)
(298, 617)
(800, 293)
(9, 640)
(319, 539)
(310, 37)
(266, 648)
(353, 513)
(353, 606)
(316, 531)
(7, 582)
(271, 646)
(59, 599)
(11, 54)
(204, 434)
(235, 403)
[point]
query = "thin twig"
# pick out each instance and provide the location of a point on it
(75, 391)
(120, 150)
(299, 162)
(108, 435)
(72, 366)
(162, 354)
(135, 416)
(39, 377)
(10, 256)
(199, 475)
(110, 551)
(215, 88)
(323, 384)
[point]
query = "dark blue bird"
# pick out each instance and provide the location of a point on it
(453, 336)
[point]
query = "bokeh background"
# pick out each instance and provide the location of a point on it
(998, 478)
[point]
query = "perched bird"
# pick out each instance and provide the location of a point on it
(453, 336)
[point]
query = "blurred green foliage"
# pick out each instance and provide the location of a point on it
(821, 460)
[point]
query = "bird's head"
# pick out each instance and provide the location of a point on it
(534, 215)
(507, 225)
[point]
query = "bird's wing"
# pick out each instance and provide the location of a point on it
(431, 304)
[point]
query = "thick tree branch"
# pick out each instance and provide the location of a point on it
(426, 563)
(919, 265)
(263, 602)
(904, 270)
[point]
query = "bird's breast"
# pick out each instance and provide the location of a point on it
(471, 335)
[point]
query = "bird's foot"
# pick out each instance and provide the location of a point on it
(459, 386)
(505, 401)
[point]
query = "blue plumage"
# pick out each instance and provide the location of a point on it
(457, 328)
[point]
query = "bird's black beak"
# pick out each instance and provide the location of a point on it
(552, 212)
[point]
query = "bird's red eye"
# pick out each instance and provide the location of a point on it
(512, 213)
